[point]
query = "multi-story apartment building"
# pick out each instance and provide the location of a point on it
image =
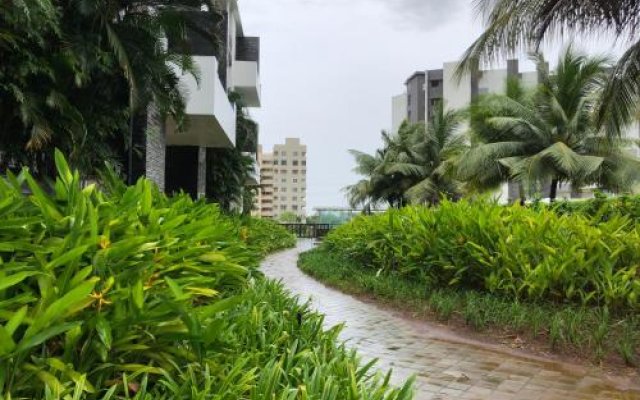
(283, 180)
(176, 158)
(426, 88)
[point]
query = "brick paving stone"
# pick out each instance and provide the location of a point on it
(444, 369)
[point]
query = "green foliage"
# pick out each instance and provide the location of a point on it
(602, 208)
(289, 216)
(547, 135)
(514, 26)
(266, 236)
(415, 165)
(591, 331)
(515, 252)
(74, 72)
(126, 293)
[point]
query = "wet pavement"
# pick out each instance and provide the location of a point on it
(445, 366)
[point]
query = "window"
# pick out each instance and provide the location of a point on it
(294, 207)
(284, 190)
(275, 190)
(283, 162)
(409, 99)
(435, 83)
(295, 180)
(294, 198)
(294, 171)
(304, 171)
(295, 189)
(295, 154)
(284, 153)
(283, 180)
(275, 153)
(304, 154)
(275, 162)
(283, 198)
(283, 207)
(294, 162)
(304, 163)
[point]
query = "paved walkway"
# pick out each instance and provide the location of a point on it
(451, 368)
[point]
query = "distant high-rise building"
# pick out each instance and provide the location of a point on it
(283, 180)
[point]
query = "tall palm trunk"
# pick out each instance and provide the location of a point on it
(554, 190)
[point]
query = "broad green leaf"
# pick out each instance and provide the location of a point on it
(6, 342)
(12, 280)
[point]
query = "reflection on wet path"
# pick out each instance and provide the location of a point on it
(445, 369)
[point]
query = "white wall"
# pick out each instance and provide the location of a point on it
(456, 93)
(398, 111)
(493, 81)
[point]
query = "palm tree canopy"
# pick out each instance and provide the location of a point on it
(515, 26)
(548, 133)
(417, 164)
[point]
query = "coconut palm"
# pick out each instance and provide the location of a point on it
(366, 192)
(548, 134)
(429, 163)
(523, 25)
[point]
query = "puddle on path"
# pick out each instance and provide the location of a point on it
(444, 369)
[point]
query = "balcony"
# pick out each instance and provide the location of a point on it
(246, 81)
(210, 117)
(246, 70)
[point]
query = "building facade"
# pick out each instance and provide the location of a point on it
(176, 157)
(283, 180)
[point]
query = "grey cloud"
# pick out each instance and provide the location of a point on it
(423, 15)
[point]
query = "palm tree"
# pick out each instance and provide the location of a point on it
(415, 165)
(365, 193)
(523, 25)
(430, 161)
(549, 134)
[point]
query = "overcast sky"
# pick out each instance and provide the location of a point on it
(330, 67)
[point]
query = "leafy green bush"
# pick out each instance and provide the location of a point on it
(125, 293)
(602, 208)
(589, 331)
(512, 251)
(265, 235)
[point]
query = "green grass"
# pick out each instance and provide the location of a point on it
(590, 331)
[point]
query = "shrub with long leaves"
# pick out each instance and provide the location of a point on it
(126, 293)
(517, 252)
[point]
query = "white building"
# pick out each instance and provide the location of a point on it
(284, 180)
(176, 158)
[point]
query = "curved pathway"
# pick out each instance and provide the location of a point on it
(445, 367)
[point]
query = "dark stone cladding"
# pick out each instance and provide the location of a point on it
(248, 48)
(148, 146)
(156, 144)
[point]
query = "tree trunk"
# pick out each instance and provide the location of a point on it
(554, 190)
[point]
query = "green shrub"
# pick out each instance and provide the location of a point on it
(125, 293)
(516, 252)
(266, 235)
(589, 331)
(601, 208)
